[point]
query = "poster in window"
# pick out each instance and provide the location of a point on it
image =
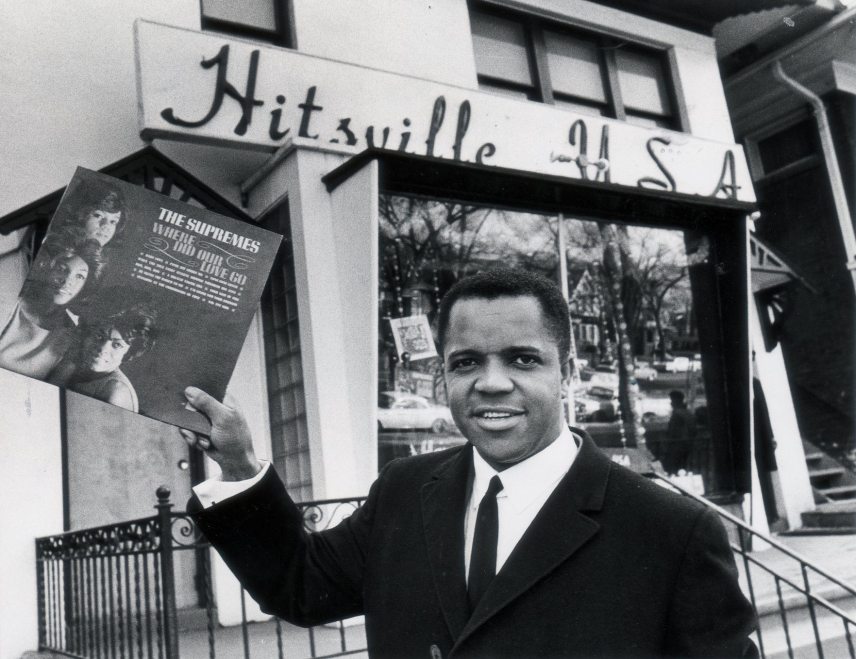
(134, 295)
(413, 336)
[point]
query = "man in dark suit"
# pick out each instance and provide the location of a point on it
(526, 542)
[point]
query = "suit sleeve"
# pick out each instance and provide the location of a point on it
(709, 616)
(305, 578)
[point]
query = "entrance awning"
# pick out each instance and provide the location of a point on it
(147, 167)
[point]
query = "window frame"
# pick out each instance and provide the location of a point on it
(723, 222)
(542, 90)
(281, 35)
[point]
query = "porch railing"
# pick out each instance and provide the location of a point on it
(800, 606)
(110, 592)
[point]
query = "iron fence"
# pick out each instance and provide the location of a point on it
(803, 611)
(110, 592)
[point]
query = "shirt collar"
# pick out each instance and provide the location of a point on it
(524, 482)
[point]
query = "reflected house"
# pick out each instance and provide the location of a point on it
(584, 304)
(397, 148)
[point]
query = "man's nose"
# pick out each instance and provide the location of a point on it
(494, 379)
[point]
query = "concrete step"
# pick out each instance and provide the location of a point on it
(814, 456)
(797, 628)
(838, 515)
(826, 473)
(839, 492)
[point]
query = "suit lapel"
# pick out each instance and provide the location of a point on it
(556, 533)
(444, 501)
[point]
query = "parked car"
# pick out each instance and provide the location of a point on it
(402, 411)
(644, 371)
(678, 365)
(604, 376)
(649, 408)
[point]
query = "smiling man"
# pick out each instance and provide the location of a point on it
(525, 542)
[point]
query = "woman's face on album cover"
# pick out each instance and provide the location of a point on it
(103, 350)
(66, 278)
(101, 225)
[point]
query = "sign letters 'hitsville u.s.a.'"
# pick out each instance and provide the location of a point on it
(134, 296)
(203, 87)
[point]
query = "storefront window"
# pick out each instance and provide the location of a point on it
(638, 365)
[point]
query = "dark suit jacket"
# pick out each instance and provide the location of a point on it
(612, 566)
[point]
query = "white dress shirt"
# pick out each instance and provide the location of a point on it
(526, 486)
(216, 489)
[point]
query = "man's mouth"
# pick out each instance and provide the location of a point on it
(497, 418)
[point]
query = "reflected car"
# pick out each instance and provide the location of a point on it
(403, 411)
(645, 372)
(650, 408)
(678, 365)
(595, 404)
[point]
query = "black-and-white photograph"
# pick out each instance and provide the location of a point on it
(428, 328)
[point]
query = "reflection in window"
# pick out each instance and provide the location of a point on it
(637, 373)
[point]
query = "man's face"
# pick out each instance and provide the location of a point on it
(103, 350)
(504, 377)
(101, 225)
(66, 278)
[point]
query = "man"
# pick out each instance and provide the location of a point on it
(589, 558)
(681, 434)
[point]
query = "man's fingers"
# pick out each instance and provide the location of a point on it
(195, 441)
(203, 402)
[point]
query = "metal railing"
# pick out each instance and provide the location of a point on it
(791, 596)
(110, 592)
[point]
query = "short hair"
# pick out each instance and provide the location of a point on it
(136, 325)
(677, 396)
(508, 282)
(99, 196)
(72, 241)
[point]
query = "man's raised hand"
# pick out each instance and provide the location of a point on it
(230, 443)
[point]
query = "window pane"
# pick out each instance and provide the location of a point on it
(648, 122)
(500, 90)
(500, 48)
(582, 108)
(426, 245)
(575, 67)
(642, 78)
(257, 14)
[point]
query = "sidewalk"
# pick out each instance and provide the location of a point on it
(794, 627)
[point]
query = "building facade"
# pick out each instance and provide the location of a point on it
(397, 146)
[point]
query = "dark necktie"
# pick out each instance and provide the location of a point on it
(483, 556)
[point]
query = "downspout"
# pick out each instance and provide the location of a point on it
(842, 210)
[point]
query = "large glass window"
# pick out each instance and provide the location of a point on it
(638, 365)
(593, 74)
(286, 398)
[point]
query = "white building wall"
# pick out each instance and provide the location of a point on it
(31, 502)
(422, 38)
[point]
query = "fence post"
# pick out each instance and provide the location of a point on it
(170, 616)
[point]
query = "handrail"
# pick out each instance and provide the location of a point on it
(763, 536)
(822, 641)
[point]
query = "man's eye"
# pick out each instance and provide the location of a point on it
(526, 360)
(459, 364)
